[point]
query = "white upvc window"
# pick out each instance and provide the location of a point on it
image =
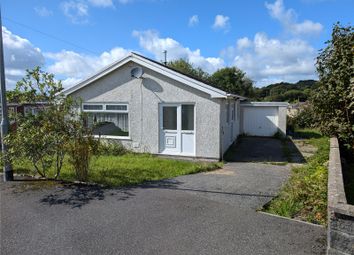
(109, 120)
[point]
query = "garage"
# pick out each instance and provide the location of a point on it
(263, 118)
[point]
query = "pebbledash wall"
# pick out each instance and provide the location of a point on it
(229, 129)
(340, 231)
(144, 96)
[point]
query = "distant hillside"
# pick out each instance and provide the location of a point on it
(284, 91)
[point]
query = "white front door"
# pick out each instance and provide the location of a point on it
(177, 129)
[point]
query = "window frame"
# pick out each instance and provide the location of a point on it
(194, 118)
(104, 106)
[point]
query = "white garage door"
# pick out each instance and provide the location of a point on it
(260, 121)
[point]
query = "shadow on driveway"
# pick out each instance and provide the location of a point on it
(264, 149)
(78, 195)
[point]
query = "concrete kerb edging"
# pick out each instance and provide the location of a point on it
(291, 219)
(340, 232)
(57, 180)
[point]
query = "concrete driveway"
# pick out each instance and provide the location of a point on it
(264, 149)
(206, 213)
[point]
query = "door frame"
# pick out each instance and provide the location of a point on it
(179, 128)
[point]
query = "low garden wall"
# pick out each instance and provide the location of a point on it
(340, 232)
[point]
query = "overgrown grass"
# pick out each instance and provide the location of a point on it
(128, 169)
(304, 196)
(307, 133)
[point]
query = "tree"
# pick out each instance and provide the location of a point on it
(333, 101)
(40, 137)
(36, 86)
(80, 146)
(187, 68)
(232, 80)
(57, 130)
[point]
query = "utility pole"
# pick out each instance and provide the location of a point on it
(8, 173)
(165, 53)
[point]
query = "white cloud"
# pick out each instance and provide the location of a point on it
(43, 11)
(221, 22)
(75, 66)
(288, 18)
(101, 3)
(243, 43)
(76, 11)
(19, 55)
(193, 21)
(267, 60)
(67, 82)
(151, 42)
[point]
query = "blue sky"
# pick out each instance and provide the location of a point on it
(272, 41)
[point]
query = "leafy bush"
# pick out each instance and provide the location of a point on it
(80, 147)
(334, 99)
(306, 118)
(39, 137)
(57, 129)
(111, 148)
(33, 142)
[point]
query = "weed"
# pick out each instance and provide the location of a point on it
(304, 196)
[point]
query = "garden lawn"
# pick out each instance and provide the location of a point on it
(128, 169)
(304, 196)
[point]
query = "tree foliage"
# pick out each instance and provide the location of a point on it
(291, 92)
(334, 99)
(229, 79)
(80, 146)
(305, 118)
(45, 138)
(36, 86)
(232, 80)
(187, 68)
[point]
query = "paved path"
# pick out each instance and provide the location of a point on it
(206, 213)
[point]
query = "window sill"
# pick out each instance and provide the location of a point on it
(125, 138)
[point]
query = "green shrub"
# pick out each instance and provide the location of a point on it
(305, 118)
(334, 99)
(304, 196)
(80, 147)
(110, 148)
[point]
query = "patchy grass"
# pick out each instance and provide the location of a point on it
(128, 169)
(307, 133)
(304, 196)
(276, 163)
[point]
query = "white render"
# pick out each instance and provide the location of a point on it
(217, 114)
(145, 96)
